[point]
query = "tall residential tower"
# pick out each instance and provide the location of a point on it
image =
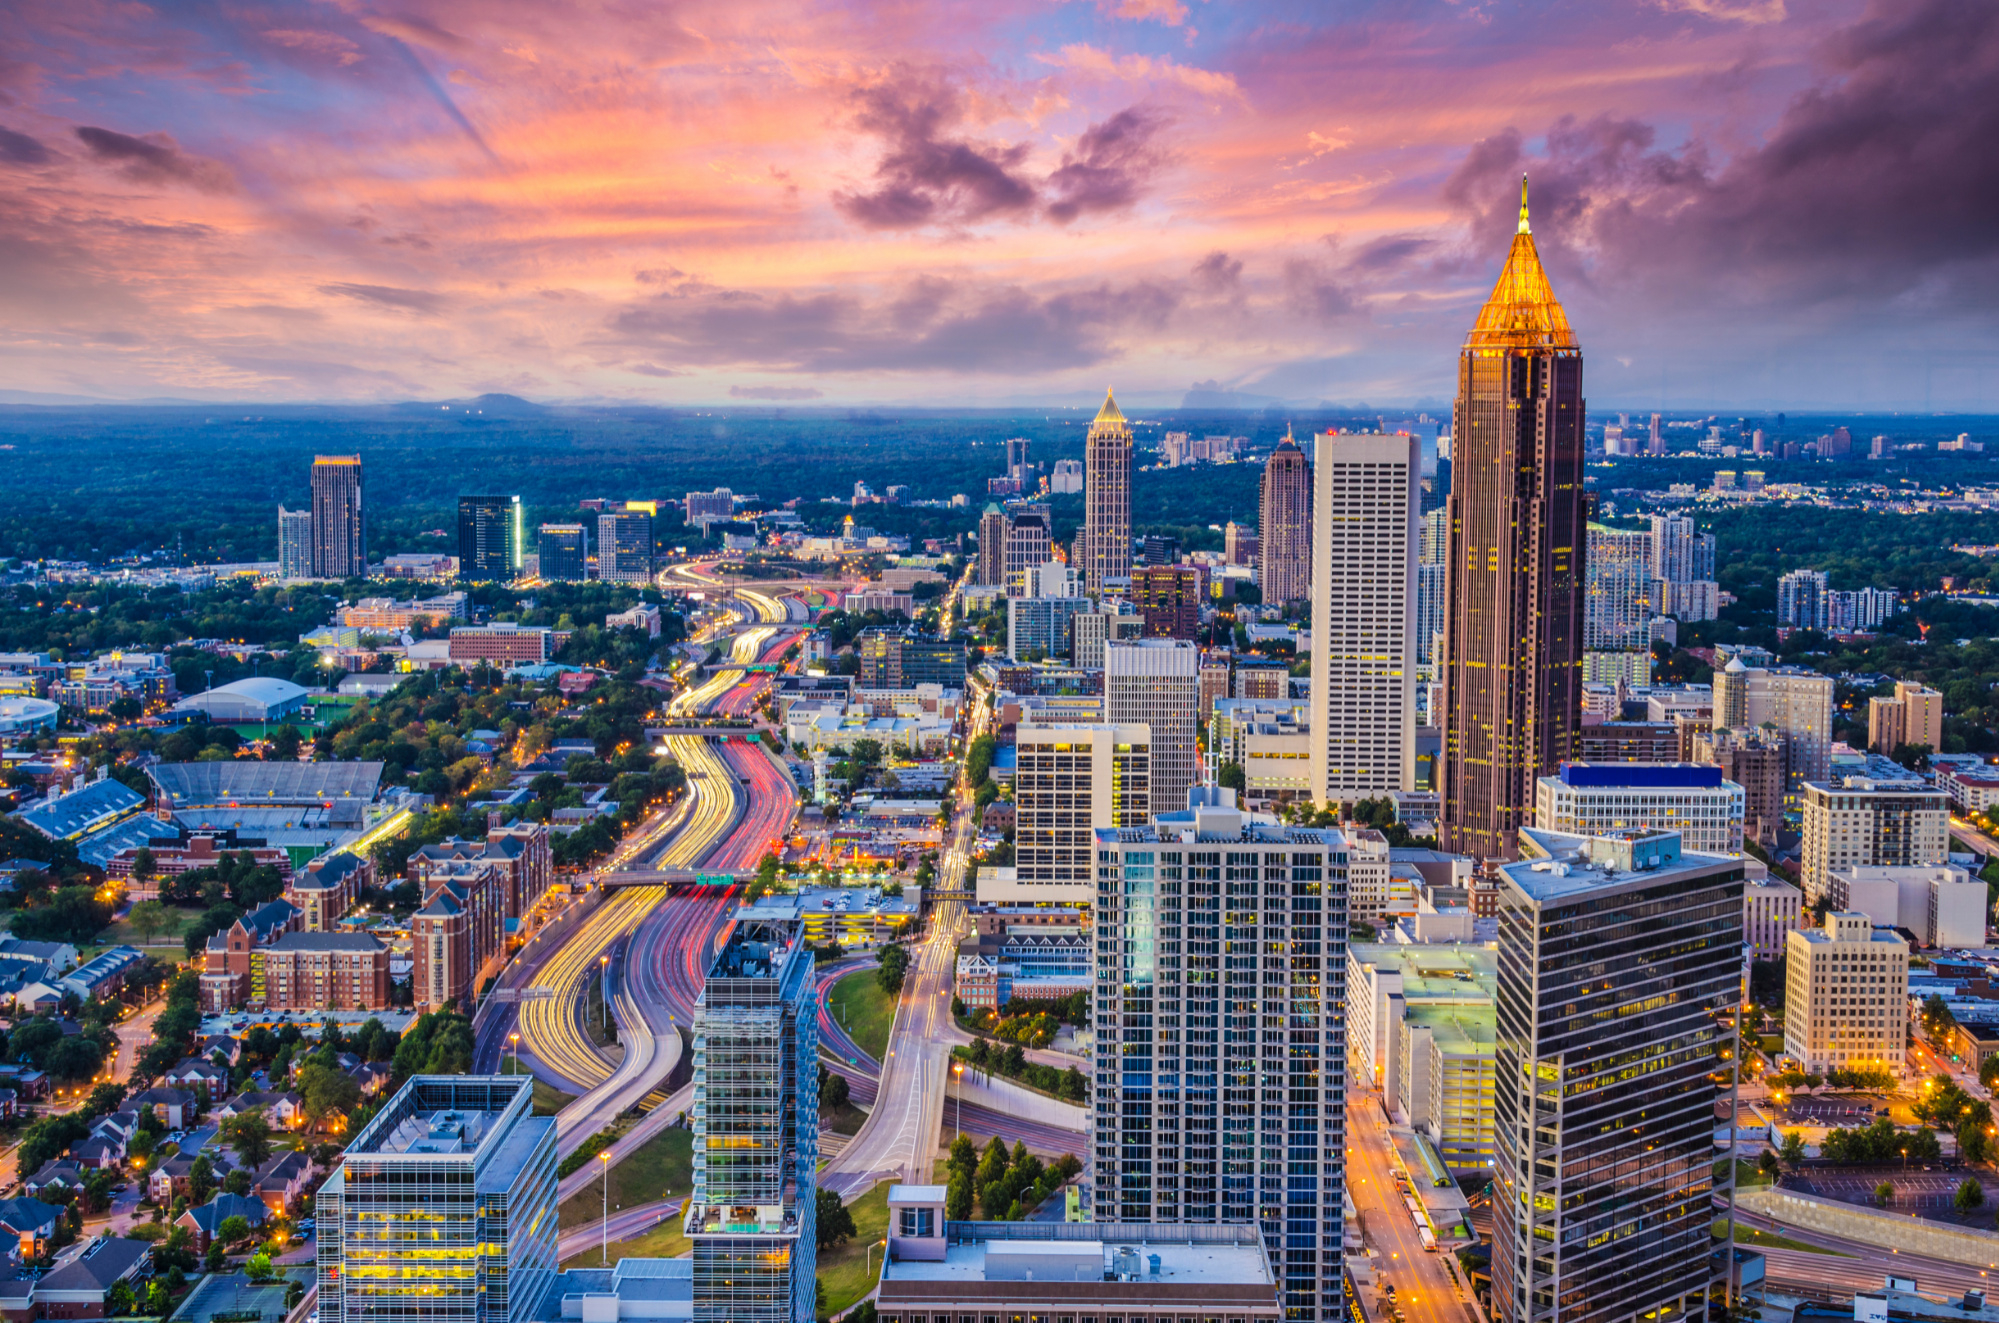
(339, 523)
(1106, 535)
(1513, 633)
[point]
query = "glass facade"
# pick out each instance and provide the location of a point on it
(443, 1208)
(1221, 1040)
(1611, 982)
(756, 1130)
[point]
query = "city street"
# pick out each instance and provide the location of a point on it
(1424, 1288)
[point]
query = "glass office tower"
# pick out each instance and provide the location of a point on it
(756, 1125)
(443, 1209)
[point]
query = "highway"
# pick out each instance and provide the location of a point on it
(899, 1138)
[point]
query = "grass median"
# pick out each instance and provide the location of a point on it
(859, 1005)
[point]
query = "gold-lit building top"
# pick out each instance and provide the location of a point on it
(1109, 414)
(1522, 312)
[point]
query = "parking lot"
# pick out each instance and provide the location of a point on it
(1827, 1111)
(1928, 1192)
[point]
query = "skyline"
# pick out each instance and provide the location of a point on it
(1022, 204)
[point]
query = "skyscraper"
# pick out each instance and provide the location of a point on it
(294, 544)
(446, 1197)
(1221, 1079)
(1618, 601)
(491, 537)
(1027, 547)
(1680, 551)
(1513, 636)
(1616, 957)
(1285, 515)
(339, 523)
(1106, 535)
(560, 553)
(1158, 682)
(1017, 467)
(751, 1216)
(624, 545)
(1363, 583)
(992, 546)
(1072, 779)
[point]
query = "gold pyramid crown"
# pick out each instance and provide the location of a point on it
(1522, 312)
(1109, 413)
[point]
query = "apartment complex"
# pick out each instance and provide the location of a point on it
(1846, 996)
(1169, 597)
(1796, 703)
(1070, 780)
(328, 888)
(1913, 715)
(756, 1126)
(1156, 683)
(624, 544)
(1772, 909)
(1421, 1029)
(1864, 821)
(294, 543)
(1363, 581)
(492, 537)
(1617, 956)
(1220, 1091)
(339, 520)
(443, 1205)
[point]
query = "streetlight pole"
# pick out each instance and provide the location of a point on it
(604, 1250)
(517, 1052)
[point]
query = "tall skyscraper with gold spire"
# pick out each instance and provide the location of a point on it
(1513, 629)
(1106, 536)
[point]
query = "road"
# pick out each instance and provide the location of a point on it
(899, 1138)
(1855, 1266)
(625, 1223)
(1423, 1286)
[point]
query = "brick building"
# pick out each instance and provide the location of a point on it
(520, 850)
(329, 887)
(232, 965)
(179, 850)
(1169, 597)
(504, 643)
(322, 971)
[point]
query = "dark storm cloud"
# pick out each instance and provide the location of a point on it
(153, 159)
(388, 296)
(926, 175)
(1110, 166)
(931, 324)
(1879, 181)
(20, 149)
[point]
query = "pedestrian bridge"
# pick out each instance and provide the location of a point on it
(670, 877)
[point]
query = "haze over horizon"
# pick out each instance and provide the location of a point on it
(1743, 203)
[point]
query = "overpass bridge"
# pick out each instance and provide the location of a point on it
(666, 877)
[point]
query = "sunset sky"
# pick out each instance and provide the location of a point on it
(1752, 203)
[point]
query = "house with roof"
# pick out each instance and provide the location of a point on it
(77, 1289)
(27, 1082)
(103, 975)
(207, 1220)
(30, 1223)
(230, 1047)
(282, 1182)
(174, 1107)
(280, 1109)
(176, 1175)
(204, 1078)
(52, 958)
(55, 1174)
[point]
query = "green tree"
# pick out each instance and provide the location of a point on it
(1231, 775)
(1884, 1194)
(1768, 1165)
(235, 1229)
(893, 968)
(958, 1197)
(1970, 1195)
(250, 1135)
(1793, 1149)
(201, 1179)
(835, 1220)
(834, 1091)
(326, 1091)
(149, 918)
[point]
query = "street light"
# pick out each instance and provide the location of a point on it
(604, 1251)
(958, 1070)
(517, 1052)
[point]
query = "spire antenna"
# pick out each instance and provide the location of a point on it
(1523, 206)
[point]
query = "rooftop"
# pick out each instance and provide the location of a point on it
(1559, 865)
(94, 805)
(1124, 1262)
(242, 781)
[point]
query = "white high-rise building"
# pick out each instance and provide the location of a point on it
(1618, 599)
(1683, 583)
(1864, 822)
(1799, 703)
(1364, 618)
(1070, 780)
(294, 544)
(1157, 683)
(1801, 599)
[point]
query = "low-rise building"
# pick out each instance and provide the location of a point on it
(175, 849)
(955, 1270)
(1421, 1025)
(503, 643)
(232, 967)
(1846, 996)
(1943, 905)
(78, 1289)
(1600, 799)
(308, 971)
